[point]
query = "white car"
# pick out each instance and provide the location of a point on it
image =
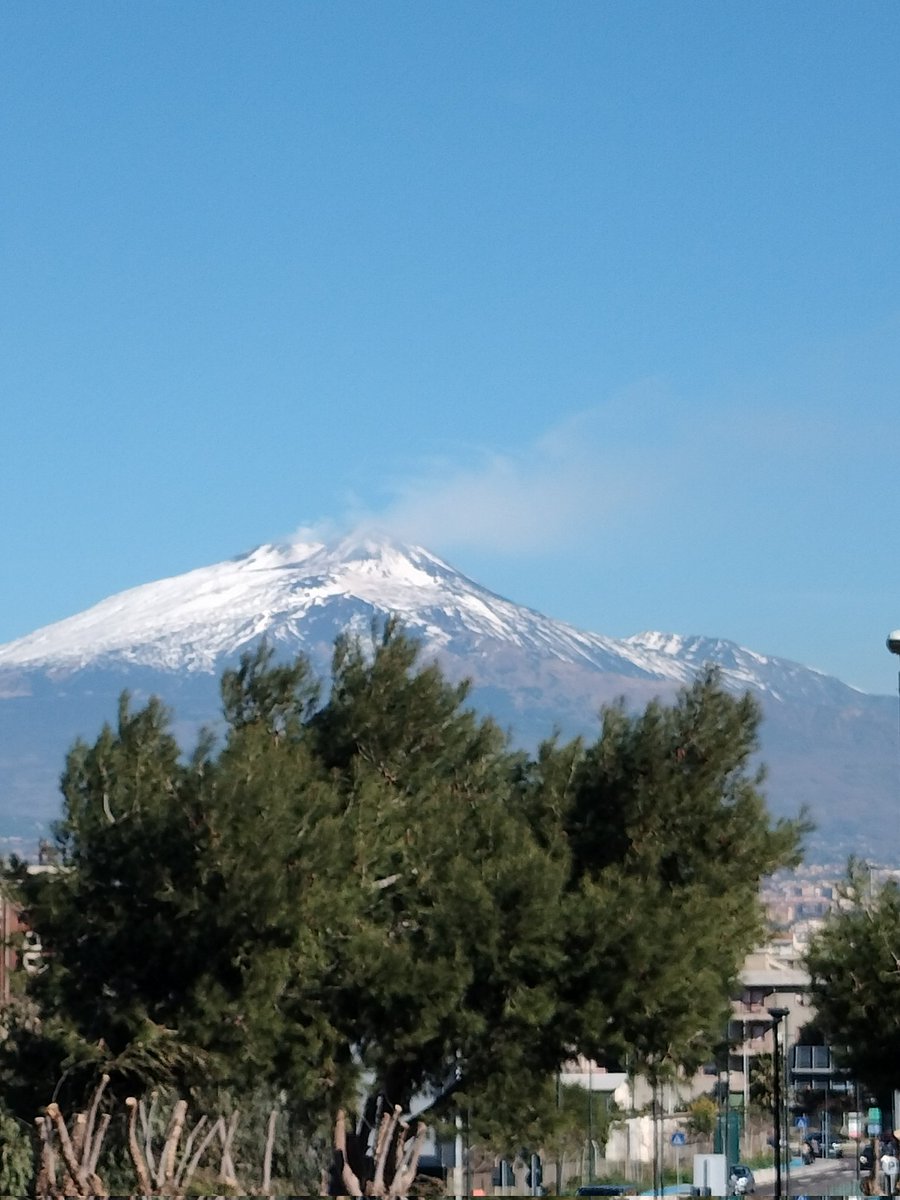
(741, 1181)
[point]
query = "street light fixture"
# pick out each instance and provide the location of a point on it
(893, 644)
(777, 1015)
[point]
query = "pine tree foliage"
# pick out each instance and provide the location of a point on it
(16, 1155)
(854, 966)
(459, 941)
(670, 839)
(115, 921)
(378, 886)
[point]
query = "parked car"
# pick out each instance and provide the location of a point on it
(605, 1189)
(833, 1147)
(741, 1181)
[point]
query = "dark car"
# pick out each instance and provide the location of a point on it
(604, 1189)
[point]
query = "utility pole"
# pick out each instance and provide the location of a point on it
(777, 1015)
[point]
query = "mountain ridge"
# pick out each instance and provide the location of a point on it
(533, 673)
(389, 576)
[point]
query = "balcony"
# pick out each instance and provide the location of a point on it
(814, 1064)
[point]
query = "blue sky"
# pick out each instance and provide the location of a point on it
(600, 301)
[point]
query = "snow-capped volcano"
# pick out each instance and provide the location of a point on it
(197, 621)
(827, 744)
(193, 622)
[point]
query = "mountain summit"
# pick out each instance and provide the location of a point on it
(198, 621)
(534, 674)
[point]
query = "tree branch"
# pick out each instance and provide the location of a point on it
(134, 1149)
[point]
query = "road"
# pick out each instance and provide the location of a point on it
(824, 1177)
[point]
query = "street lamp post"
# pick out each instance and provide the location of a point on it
(777, 1015)
(893, 644)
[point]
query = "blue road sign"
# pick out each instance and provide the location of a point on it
(678, 1138)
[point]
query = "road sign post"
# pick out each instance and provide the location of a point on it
(678, 1140)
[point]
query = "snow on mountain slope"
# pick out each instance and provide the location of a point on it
(194, 622)
(777, 678)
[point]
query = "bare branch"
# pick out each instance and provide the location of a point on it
(404, 1178)
(78, 1138)
(217, 1128)
(186, 1153)
(88, 1153)
(351, 1183)
(165, 1175)
(79, 1182)
(97, 1144)
(134, 1149)
(267, 1156)
(226, 1169)
(380, 1140)
(45, 1185)
(147, 1116)
(385, 1137)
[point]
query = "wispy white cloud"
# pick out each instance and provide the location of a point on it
(583, 474)
(643, 464)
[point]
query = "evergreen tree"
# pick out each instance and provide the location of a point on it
(379, 886)
(277, 899)
(17, 1153)
(670, 838)
(185, 932)
(451, 976)
(115, 921)
(854, 966)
